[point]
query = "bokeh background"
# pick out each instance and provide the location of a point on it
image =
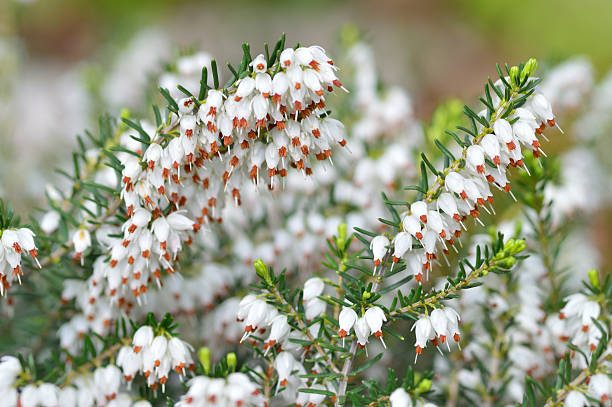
(65, 62)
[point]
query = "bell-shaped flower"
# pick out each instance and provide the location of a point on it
(402, 242)
(81, 239)
(284, 365)
(379, 248)
(375, 317)
(419, 209)
(142, 338)
(400, 398)
(346, 320)
(424, 332)
(313, 287)
(259, 63)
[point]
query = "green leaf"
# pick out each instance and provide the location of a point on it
(213, 67)
(367, 364)
(317, 391)
(172, 105)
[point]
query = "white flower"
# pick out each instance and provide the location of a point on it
(81, 240)
(284, 365)
(453, 323)
(142, 338)
(412, 225)
(158, 349)
(575, 399)
(475, 158)
(454, 182)
(313, 287)
(375, 317)
(424, 332)
(419, 209)
(278, 331)
(314, 308)
(402, 243)
(600, 387)
(259, 63)
(439, 322)
(50, 221)
(400, 398)
(362, 330)
(379, 248)
(346, 320)
(542, 109)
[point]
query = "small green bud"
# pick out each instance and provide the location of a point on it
(507, 263)
(341, 239)
(366, 295)
(513, 246)
(204, 358)
(529, 69)
(514, 75)
(594, 278)
(519, 246)
(262, 270)
(424, 386)
(231, 361)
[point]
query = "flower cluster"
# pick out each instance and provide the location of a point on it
(102, 388)
(234, 390)
(369, 324)
(576, 321)
(436, 221)
(155, 356)
(180, 176)
(439, 327)
(13, 244)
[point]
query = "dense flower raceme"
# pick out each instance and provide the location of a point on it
(155, 356)
(534, 336)
(435, 222)
(14, 243)
(99, 388)
(301, 213)
(197, 165)
(305, 227)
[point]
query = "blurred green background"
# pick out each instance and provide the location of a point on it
(448, 45)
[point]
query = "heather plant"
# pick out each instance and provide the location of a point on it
(295, 236)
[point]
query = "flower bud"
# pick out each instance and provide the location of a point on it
(341, 238)
(531, 66)
(262, 270)
(514, 75)
(230, 358)
(594, 278)
(204, 358)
